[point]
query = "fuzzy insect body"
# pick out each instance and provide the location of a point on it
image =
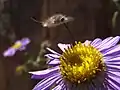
(55, 20)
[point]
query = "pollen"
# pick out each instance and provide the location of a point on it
(81, 63)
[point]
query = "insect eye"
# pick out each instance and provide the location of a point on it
(62, 19)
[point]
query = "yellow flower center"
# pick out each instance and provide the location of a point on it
(81, 63)
(17, 45)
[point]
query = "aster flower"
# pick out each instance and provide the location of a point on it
(19, 45)
(92, 65)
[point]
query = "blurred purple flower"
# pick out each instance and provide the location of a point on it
(92, 65)
(19, 45)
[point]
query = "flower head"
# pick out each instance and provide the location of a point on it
(92, 65)
(19, 45)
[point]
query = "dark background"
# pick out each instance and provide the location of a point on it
(93, 18)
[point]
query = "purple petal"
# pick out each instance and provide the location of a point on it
(112, 59)
(9, 52)
(113, 68)
(110, 43)
(114, 64)
(59, 81)
(44, 73)
(63, 47)
(25, 41)
(52, 51)
(109, 85)
(22, 48)
(87, 42)
(47, 82)
(54, 62)
(52, 56)
(64, 87)
(49, 60)
(18, 41)
(114, 74)
(107, 58)
(96, 42)
(58, 87)
(106, 40)
(103, 42)
(114, 81)
(112, 51)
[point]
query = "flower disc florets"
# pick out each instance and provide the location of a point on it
(81, 62)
